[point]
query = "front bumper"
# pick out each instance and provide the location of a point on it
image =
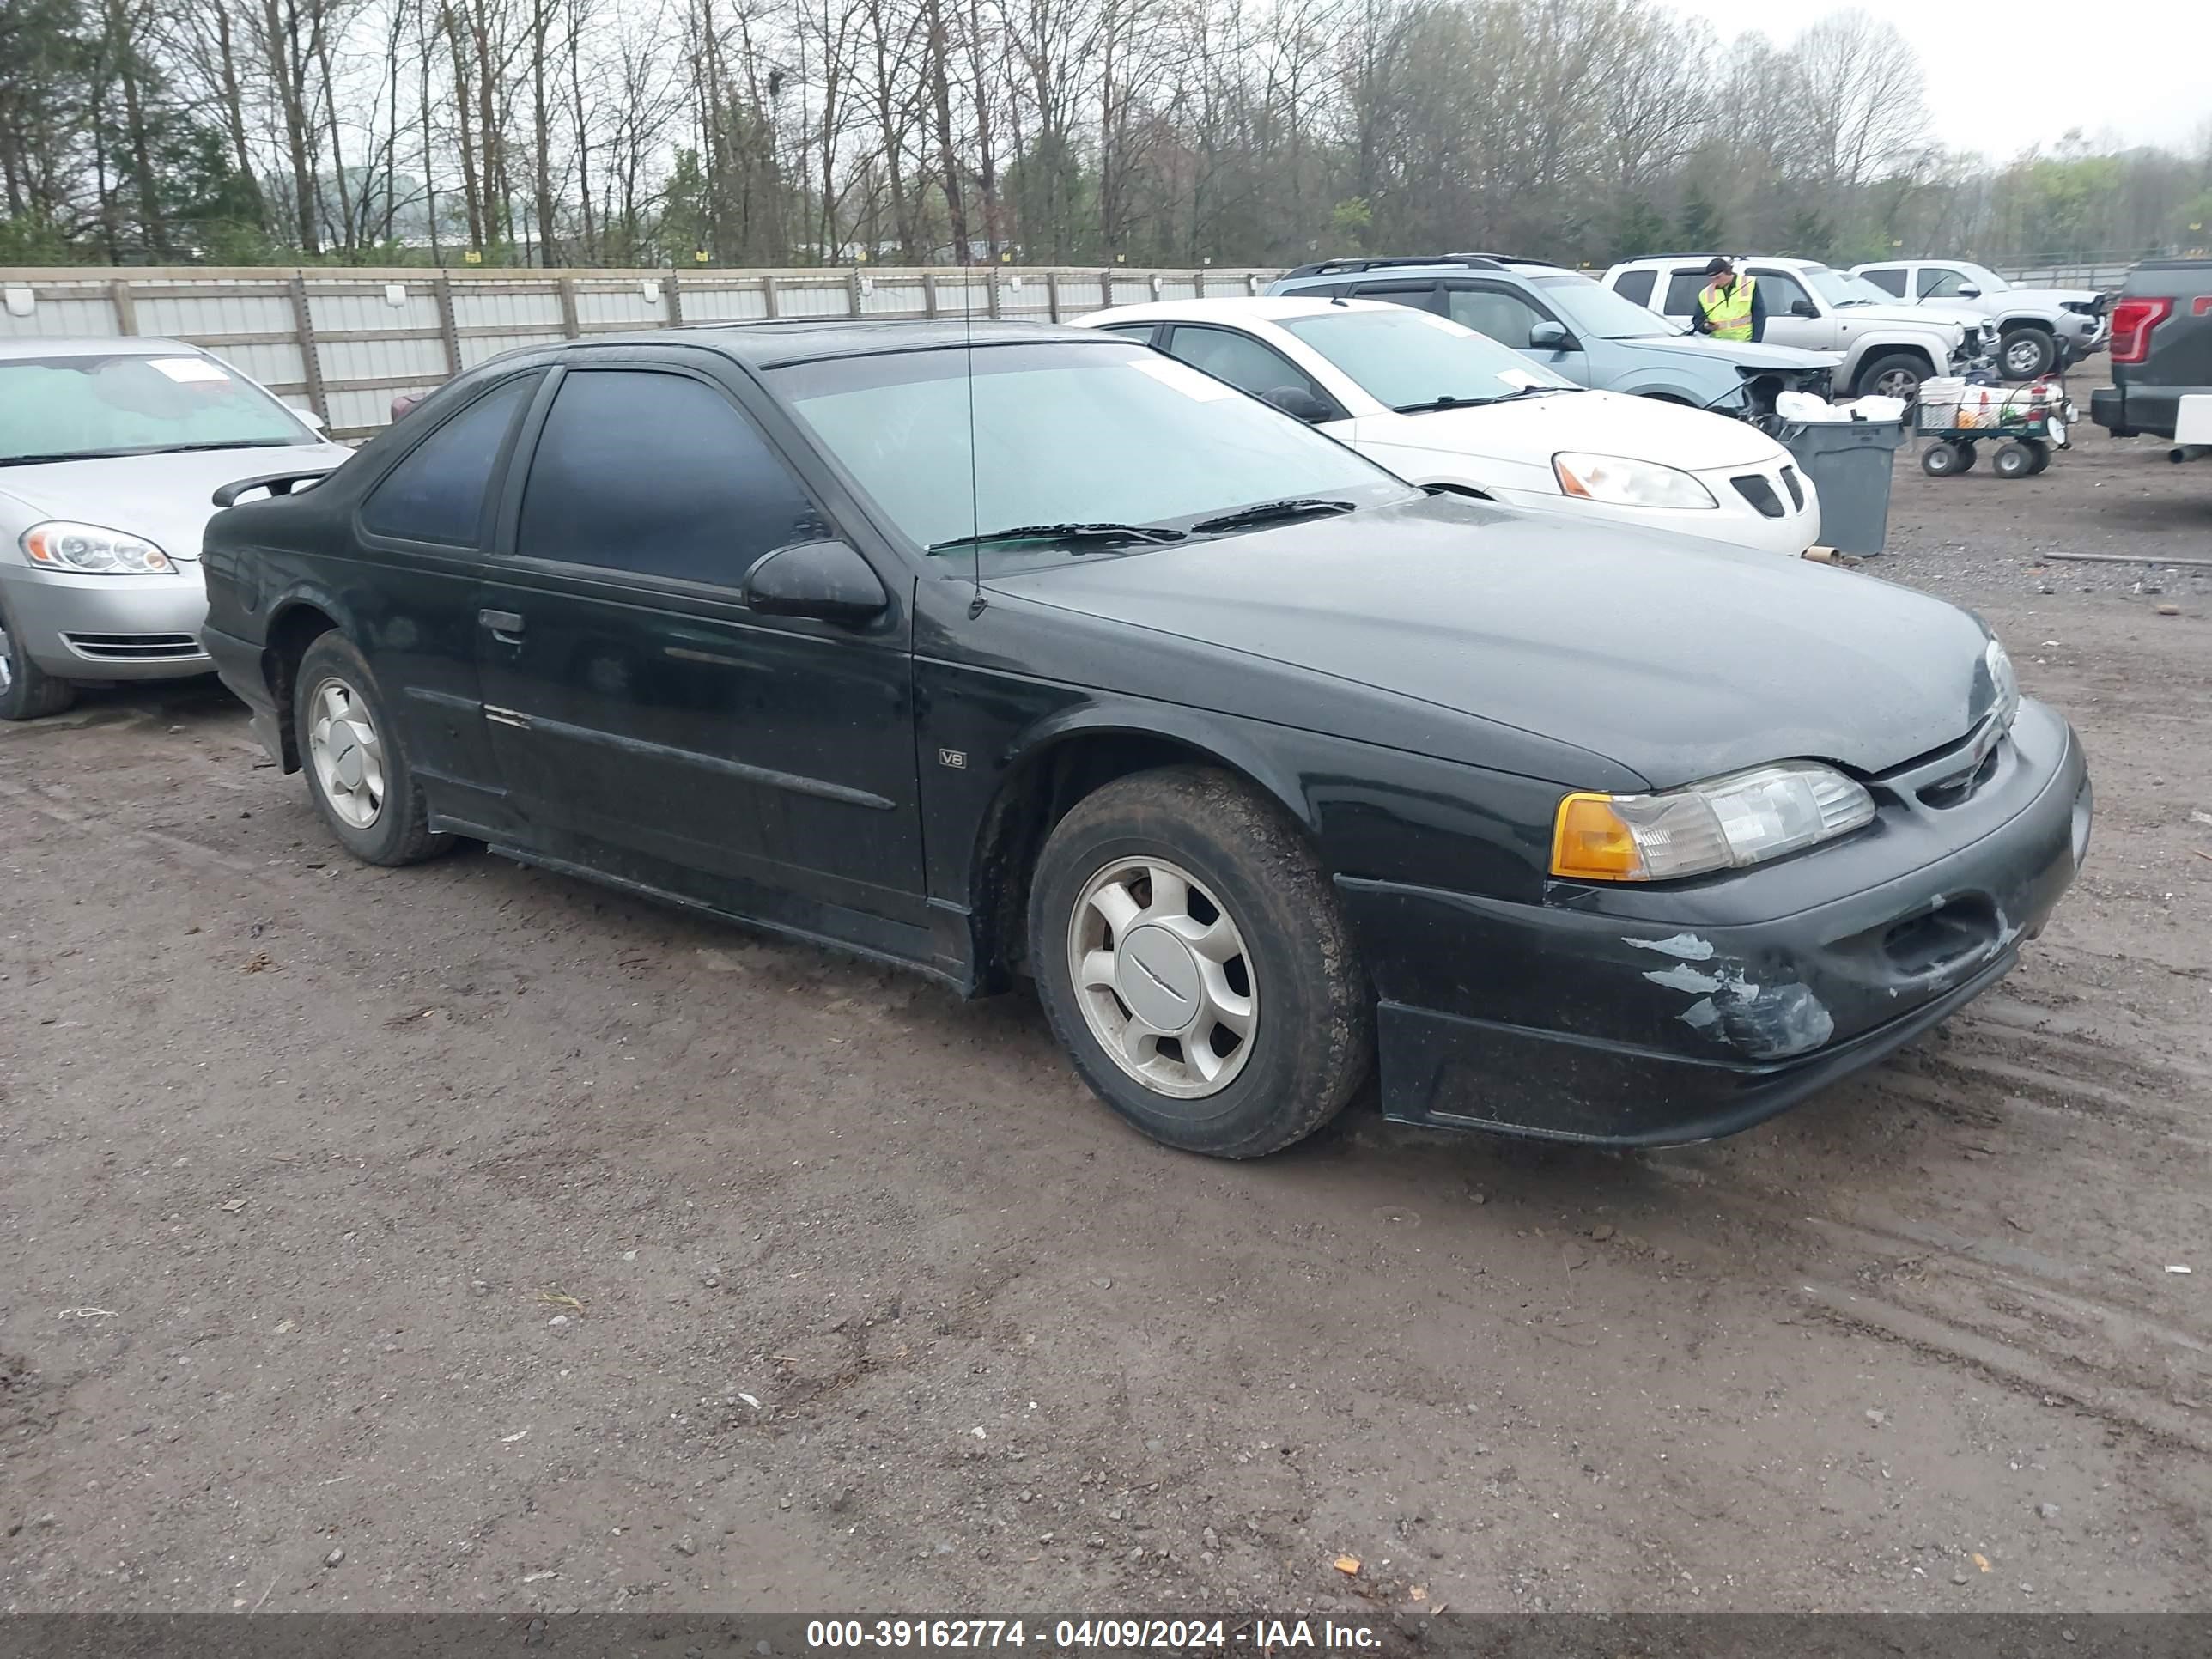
(1628, 1018)
(1736, 520)
(110, 628)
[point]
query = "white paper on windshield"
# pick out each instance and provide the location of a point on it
(189, 371)
(1184, 378)
(1521, 377)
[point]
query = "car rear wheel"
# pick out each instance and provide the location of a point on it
(2025, 353)
(1193, 960)
(1897, 375)
(356, 766)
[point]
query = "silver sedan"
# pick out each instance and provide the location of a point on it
(109, 452)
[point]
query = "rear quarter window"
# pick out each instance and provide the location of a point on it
(1637, 285)
(1682, 292)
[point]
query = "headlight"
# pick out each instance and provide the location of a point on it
(1622, 483)
(60, 544)
(1746, 817)
(2005, 682)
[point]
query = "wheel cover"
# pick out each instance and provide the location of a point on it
(1163, 977)
(1897, 383)
(347, 754)
(2023, 357)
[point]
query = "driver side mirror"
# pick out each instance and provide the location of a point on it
(828, 580)
(1547, 336)
(1296, 400)
(1970, 294)
(1804, 308)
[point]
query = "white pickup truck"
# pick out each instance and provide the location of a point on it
(1887, 348)
(2038, 329)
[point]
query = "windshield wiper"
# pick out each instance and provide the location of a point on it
(217, 443)
(1450, 401)
(1272, 513)
(1067, 532)
(145, 449)
(66, 455)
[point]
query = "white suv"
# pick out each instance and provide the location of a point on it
(1887, 346)
(2038, 329)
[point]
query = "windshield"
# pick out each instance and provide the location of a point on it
(1592, 308)
(1407, 359)
(74, 408)
(1838, 289)
(1075, 433)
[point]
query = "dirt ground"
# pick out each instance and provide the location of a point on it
(468, 1237)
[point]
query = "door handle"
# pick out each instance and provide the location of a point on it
(505, 626)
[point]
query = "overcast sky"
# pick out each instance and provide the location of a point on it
(2137, 70)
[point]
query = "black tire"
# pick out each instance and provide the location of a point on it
(398, 832)
(1941, 460)
(2026, 354)
(2013, 460)
(1311, 1042)
(2042, 454)
(1895, 366)
(27, 692)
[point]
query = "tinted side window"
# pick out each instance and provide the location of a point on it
(1682, 292)
(1635, 285)
(437, 493)
(1889, 279)
(1506, 318)
(658, 475)
(1422, 296)
(1782, 291)
(1143, 331)
(1242, 360)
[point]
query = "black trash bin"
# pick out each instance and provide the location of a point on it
(1849, 462)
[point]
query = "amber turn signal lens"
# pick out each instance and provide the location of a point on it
(1589, 841)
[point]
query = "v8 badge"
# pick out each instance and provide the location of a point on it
(955, 758)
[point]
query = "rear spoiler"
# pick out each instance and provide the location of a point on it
(276, 483)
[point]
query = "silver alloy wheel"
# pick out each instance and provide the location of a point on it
(2023, 357)
(1163, 977)
(1897, 383)
(346, 753)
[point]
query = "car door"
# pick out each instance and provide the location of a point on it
(1253, 366)
(1784, 326)
(425, 527)
(656, 728)
(1510, 318)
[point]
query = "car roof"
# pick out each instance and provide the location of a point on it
(771, 343)
(1495, 264)
(134, 345)
(1788, 259)
(1266, 307)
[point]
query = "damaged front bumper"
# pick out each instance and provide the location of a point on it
(1641, 1016)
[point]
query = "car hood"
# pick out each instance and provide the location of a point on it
(164, 498)
(1678, 658)
(1597, 422)
(1932, 316)
(1745, 354)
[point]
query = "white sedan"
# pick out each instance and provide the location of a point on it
(1438, 404)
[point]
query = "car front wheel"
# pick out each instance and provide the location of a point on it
(351, 750)
(27, 692)
(2027, 353)
(1193, 962)
(1897, 375)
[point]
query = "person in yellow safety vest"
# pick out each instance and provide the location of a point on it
(1730, 307)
